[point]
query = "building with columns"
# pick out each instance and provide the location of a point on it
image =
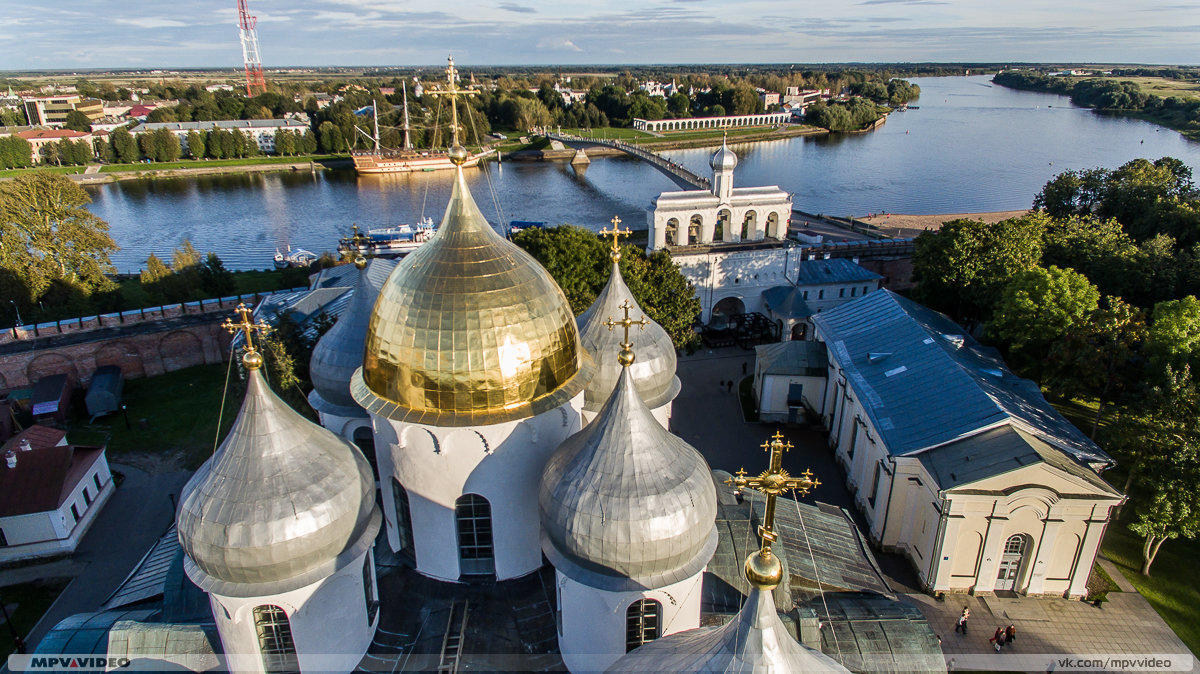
(722, 122)
(725, 214)
(953, 460)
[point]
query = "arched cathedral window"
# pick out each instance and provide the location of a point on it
(643, 622)
(275, 640)
(473, 514)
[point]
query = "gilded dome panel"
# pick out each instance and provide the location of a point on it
(469, 329)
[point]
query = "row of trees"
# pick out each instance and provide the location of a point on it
(1177, 112)
(891, 92)
(189, 276)
(15, 152)
(851, 115)
(1078, 302)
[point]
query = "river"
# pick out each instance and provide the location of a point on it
(970, 147)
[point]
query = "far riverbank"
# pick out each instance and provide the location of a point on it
(900, 225)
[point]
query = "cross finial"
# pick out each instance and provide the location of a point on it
(251, 358)
(626, 355)
(352, 246)
(458, 155)
(615, 232)
(773, 482)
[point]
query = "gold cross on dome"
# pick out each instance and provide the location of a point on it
(453, 92)
(626, 323)
(773, 482)
(246, 326)
(615, 232)
(354, 243)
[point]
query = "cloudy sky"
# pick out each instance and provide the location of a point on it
(119, 33)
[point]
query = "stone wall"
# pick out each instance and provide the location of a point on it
(144, 349)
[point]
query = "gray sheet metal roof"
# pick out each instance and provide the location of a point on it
(832, 270)
(87, 633)
(755, 640)
(148, 578)
(188, 647)
(654, 369)
(871, 633)
(997, 451)
(281, 504)
(793, 358)
(787, 301)
(339, 352)
(923, 381)
(624, 503)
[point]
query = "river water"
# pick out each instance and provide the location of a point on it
(970, 147)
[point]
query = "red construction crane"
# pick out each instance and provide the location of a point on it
(255, 84)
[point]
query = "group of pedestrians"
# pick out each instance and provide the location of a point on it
(1002, 637)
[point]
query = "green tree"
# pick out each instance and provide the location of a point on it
(1172, 512)
(962, 268)
(155, 272)
(124, 146)
(1174, 335)
(1041, 307)
(215, 279)
(77, 121)
(48, 236)
(15, 152)
(195, 143)
(578, 260)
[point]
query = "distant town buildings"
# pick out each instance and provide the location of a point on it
(53, 110)
(39, 138)
(721, 122)
(262, 131)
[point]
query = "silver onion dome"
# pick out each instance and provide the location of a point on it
(281, 504)
(339, 352)
(723, 159)
(624, 503)
(755, 640)
(653, 371)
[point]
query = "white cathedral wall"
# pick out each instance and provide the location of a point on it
(741, 274)
(343, 427)
(328, 620)
(592, 622)
(500, 462)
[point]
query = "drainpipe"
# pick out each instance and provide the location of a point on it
(936, 558)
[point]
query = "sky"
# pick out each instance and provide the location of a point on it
(65, 34)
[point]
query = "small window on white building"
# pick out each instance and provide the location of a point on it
(853, 440)
(841, 292)
(275, 640)
(75, 514)
(874, 486)
(853, 291)
(3, 539)
(369, 590)
(821, 294)
(643, 623)
(96, 479)
(805, 294)
(87, 497)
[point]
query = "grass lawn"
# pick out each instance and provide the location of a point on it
(1171, 587)
(12, 173)
(212, 163)
(613, 132)
(1164, 87)
(172, 415)
(26, 604)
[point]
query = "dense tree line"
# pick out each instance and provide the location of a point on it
(1094, 293)
(892, 92)
(15, 152)
(851, 115)
(1177, 112)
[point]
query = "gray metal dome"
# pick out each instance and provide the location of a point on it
(624, 503)
(281, 504)
(723, 159)
(654, 369)
(755, 640)
(339, 352)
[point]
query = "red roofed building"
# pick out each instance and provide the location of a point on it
(39, 138)
(50, 493)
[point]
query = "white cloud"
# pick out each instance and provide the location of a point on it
(558, 44)
(151, 22)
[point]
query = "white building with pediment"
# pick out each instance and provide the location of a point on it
(724, 214)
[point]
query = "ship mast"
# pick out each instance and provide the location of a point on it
(375, 116)
(404, 90)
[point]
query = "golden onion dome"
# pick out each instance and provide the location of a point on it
(469, 329)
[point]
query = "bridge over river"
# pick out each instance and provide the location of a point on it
(682, 176)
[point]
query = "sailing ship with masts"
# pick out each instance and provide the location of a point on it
(407, 159)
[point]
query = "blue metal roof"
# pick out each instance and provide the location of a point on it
(923, 381)
(832, 270)
(787, 301)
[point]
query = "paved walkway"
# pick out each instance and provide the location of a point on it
(1115, 573)
(135, 517)
(1126, 624)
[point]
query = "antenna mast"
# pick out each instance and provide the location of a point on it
(247, 26)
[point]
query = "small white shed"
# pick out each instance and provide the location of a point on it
(789, 378)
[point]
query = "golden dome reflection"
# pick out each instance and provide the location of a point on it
(469, 329)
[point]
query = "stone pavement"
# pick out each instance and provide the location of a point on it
(136, 516)
(1126, 624)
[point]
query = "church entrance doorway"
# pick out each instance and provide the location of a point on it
(1010, 562)
(730, 306)
(476, 556)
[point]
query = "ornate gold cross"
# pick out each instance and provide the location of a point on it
(615, 232)
(453, 92)
(626, 355)
(352, 246)
(246, 326)
(773, 482)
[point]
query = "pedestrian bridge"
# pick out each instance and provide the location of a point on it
(682, 176)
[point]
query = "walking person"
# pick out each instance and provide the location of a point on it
(729, 386)
(1010, 634)
(961, 625)
(997, 638)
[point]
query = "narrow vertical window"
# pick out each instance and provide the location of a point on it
(275, 640)
(370, 591)
(404, 527)
(475, 554)
(643, 623)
